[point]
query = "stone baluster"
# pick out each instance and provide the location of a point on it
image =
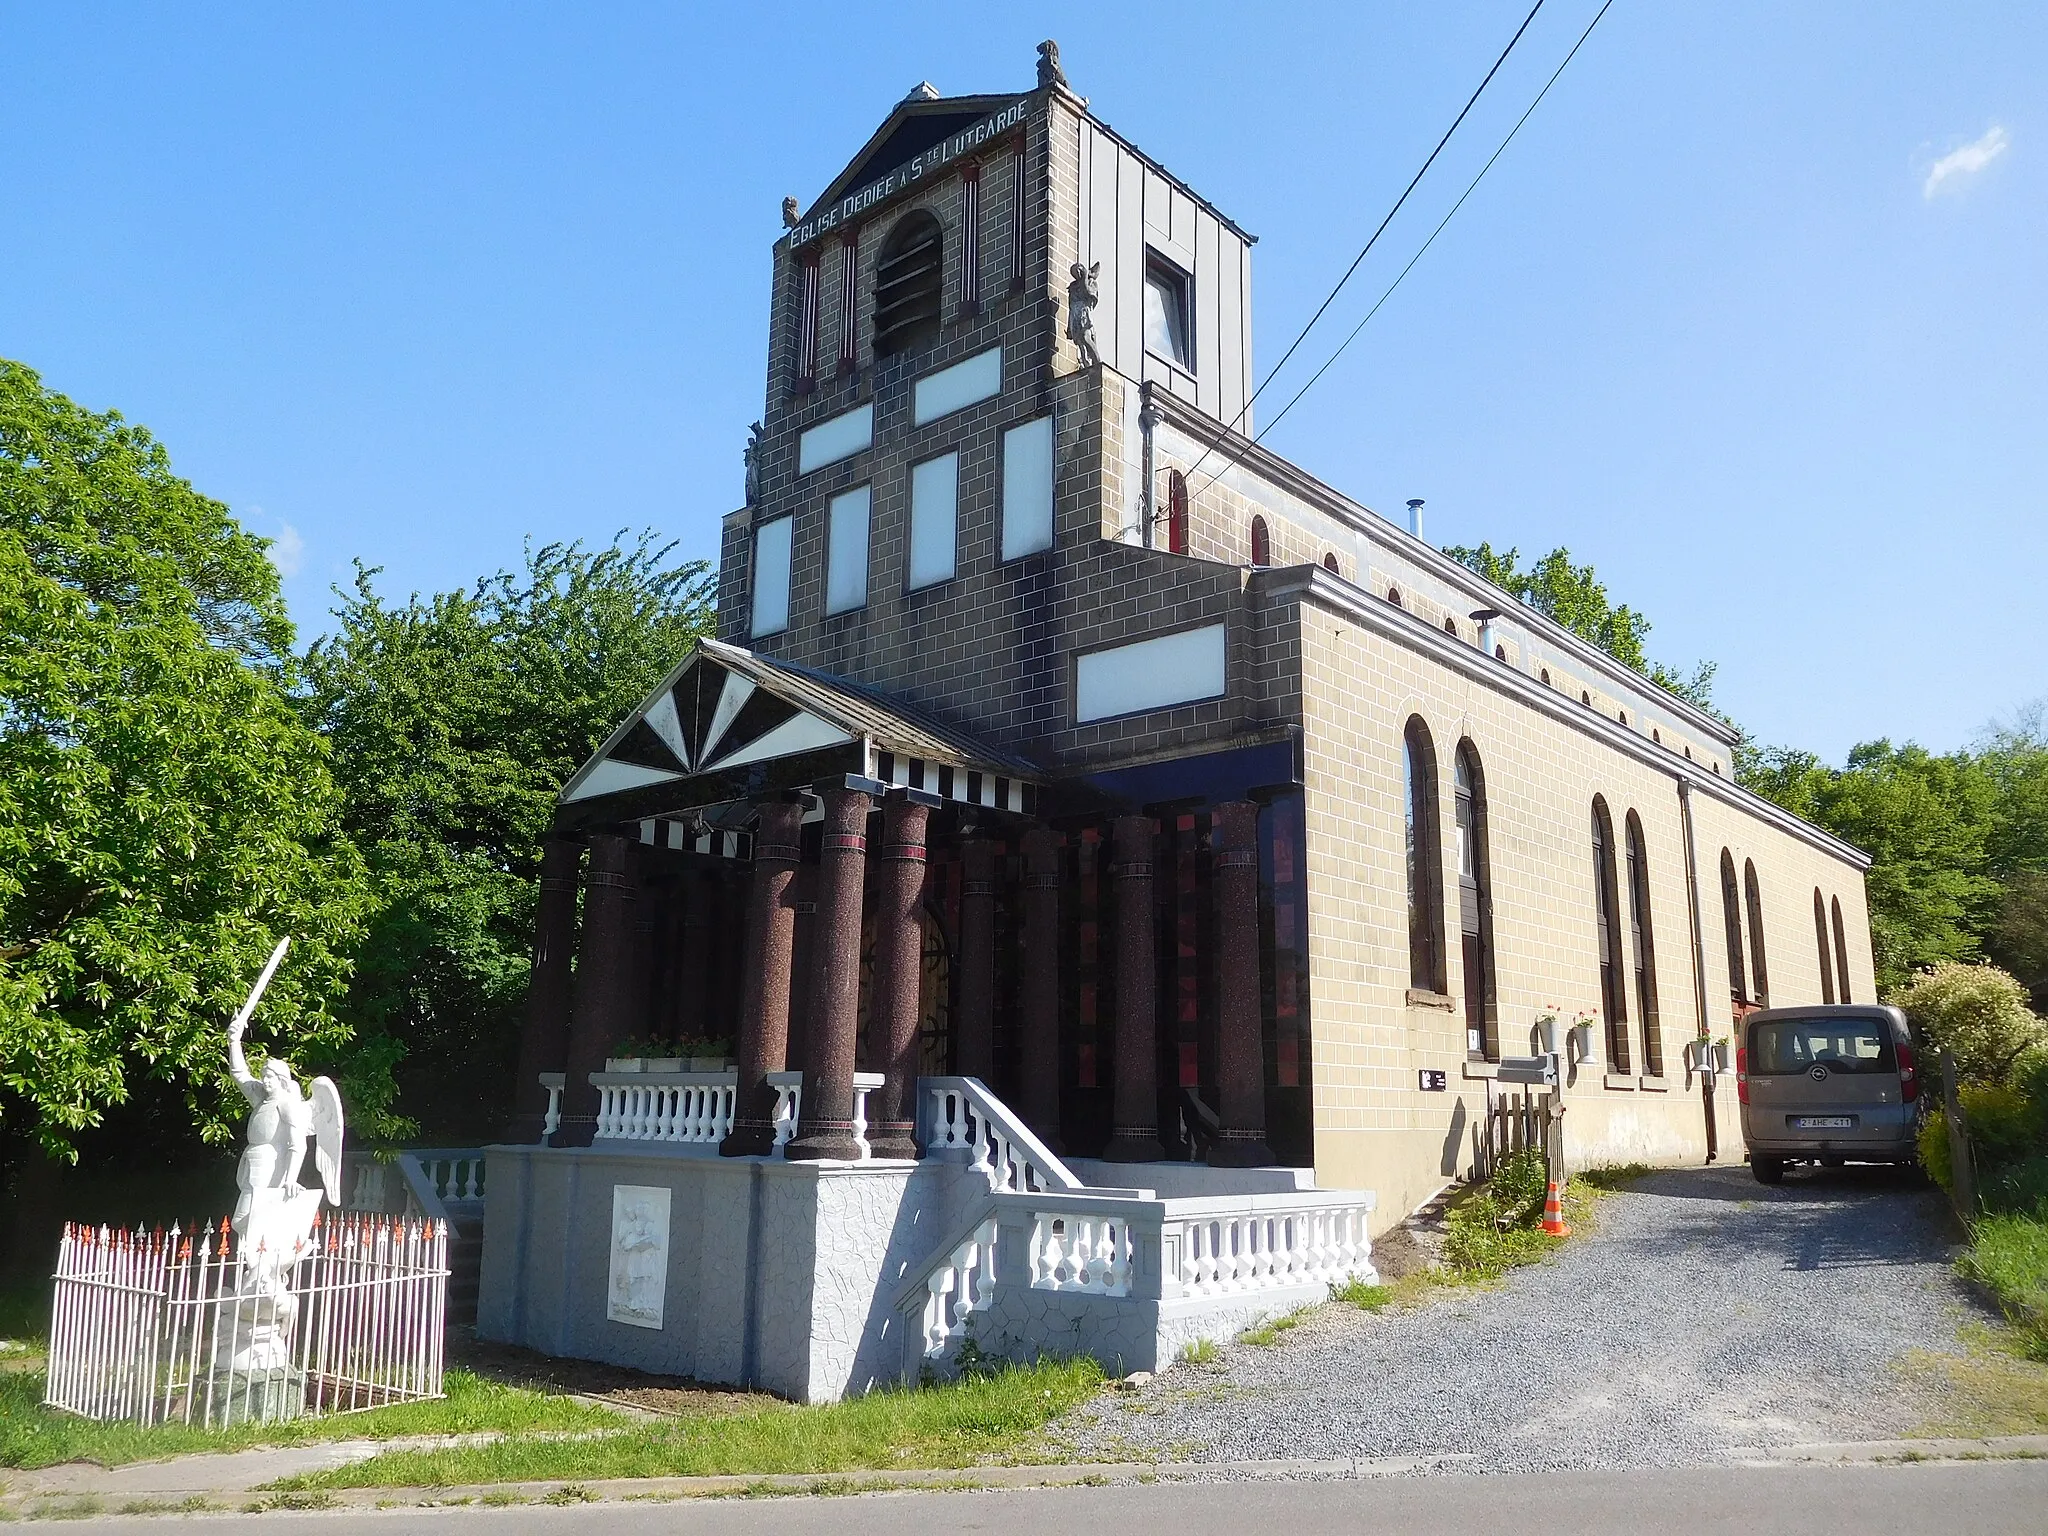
(596, 1019)
(974, 1050)
(1134, 1128)
(1039, 1101)
(1241, 1052)
(899, 972)
(827, 1129)
(544, 1041)
(764, 1001)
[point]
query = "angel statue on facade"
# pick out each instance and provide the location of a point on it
(1082, 294)
(274, 1213)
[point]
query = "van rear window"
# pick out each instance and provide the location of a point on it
(1841, 1045)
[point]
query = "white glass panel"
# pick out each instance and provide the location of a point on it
(1027, 488)
(771, 577)
(846, 553)
(934, 519)
(941, 393)
(834, 438)
(1152, 674)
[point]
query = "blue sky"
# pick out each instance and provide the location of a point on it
(1751, 315)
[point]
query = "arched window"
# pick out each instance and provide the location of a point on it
(1621, 715)
(1731, 923)
(1613, 995)
(1500, 653)
(1645, 952)
(1475, 908)
(1585, 697)
(1425, 862)
(1657, 736)
(1450, 627)
(1546, 677)
(1330, 564)
(1820, 936)
(1754, 901)
(1262, 543)
(1394, 596)
(909, 284)
(1841, 952)
(1176, 512)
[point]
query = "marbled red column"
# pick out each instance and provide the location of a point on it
(544, 1042)
(1041, 991)
(1134, 1120)
(899, 972)
(974, 1054)
(827, 1127)
(1241, 1053)
(764, 980)
(597, 1018)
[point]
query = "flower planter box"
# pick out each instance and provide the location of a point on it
(624, 1064)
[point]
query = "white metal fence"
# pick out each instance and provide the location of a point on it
(156, 1327)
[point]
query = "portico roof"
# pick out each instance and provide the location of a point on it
(727, 724)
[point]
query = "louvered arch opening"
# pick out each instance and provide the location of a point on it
(909, 284)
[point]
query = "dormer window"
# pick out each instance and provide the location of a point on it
(909, 284)
(1167, 312)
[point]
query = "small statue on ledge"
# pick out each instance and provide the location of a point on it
(752, 454)
(1082, 294)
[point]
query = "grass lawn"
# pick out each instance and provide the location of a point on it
(981, 1420)
(2009, 1257)
(34, 1436)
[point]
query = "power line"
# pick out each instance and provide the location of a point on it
(1295, 346)
(1504, 143)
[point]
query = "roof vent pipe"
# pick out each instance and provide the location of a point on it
(1484, 618)
(1415, 516)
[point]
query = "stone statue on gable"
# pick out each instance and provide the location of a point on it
(1083, 292)
(753, 458)
(1049, 71)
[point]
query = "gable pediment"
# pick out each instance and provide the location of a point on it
(913, 127)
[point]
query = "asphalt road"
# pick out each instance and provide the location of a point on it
(1980, 1498)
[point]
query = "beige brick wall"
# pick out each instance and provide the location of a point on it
(1373, 1127)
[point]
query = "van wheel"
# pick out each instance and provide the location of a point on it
(1768, 1170)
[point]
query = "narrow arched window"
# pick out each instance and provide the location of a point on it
(1330, 565)
(1754, 901)
(1475, 909)
(1394, 596)
(1731, 925)
(1645, 948)
(909, 284)
(1820, 937)
(1613, 994)
(1176, 512)
(1450, 626)
(1262, 543)
(1425, 862)
(1841, 952)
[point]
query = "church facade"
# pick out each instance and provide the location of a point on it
(1057, 735)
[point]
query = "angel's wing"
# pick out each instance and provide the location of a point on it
(327, 1136)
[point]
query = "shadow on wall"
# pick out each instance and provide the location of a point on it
(1454, 1142)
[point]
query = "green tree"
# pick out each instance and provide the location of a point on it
(165, 814)
(1575, 597)
(1978, 1014)
(454, 719)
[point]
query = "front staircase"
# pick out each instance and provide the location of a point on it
(440, 1184)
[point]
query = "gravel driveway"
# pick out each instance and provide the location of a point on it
(1705, 1312)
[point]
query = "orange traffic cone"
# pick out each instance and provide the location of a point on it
(1553, 1212)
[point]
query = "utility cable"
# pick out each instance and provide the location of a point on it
(1295, 346)
(1504, 143)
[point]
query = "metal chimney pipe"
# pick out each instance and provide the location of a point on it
(1415, 516)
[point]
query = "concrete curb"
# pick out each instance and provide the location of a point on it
(1990, 1448)
(23, 1495)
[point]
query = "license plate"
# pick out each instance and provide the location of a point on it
(1824, 1123)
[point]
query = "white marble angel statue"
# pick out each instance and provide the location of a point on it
(273, 1218)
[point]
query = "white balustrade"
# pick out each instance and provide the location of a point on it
(958, 1288)
(553, 1082)
(1072, 1251)
(789, 1103)
(1229, 1252)
(962, 1118)
(686, 1108)
(864, 1083)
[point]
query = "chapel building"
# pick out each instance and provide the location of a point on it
(1057, 734)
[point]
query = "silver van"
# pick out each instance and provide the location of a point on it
(1827, 1084)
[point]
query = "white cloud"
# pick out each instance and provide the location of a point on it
(287, 551)
(1953, 168)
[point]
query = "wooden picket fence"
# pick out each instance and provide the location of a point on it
(1511, 1122)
